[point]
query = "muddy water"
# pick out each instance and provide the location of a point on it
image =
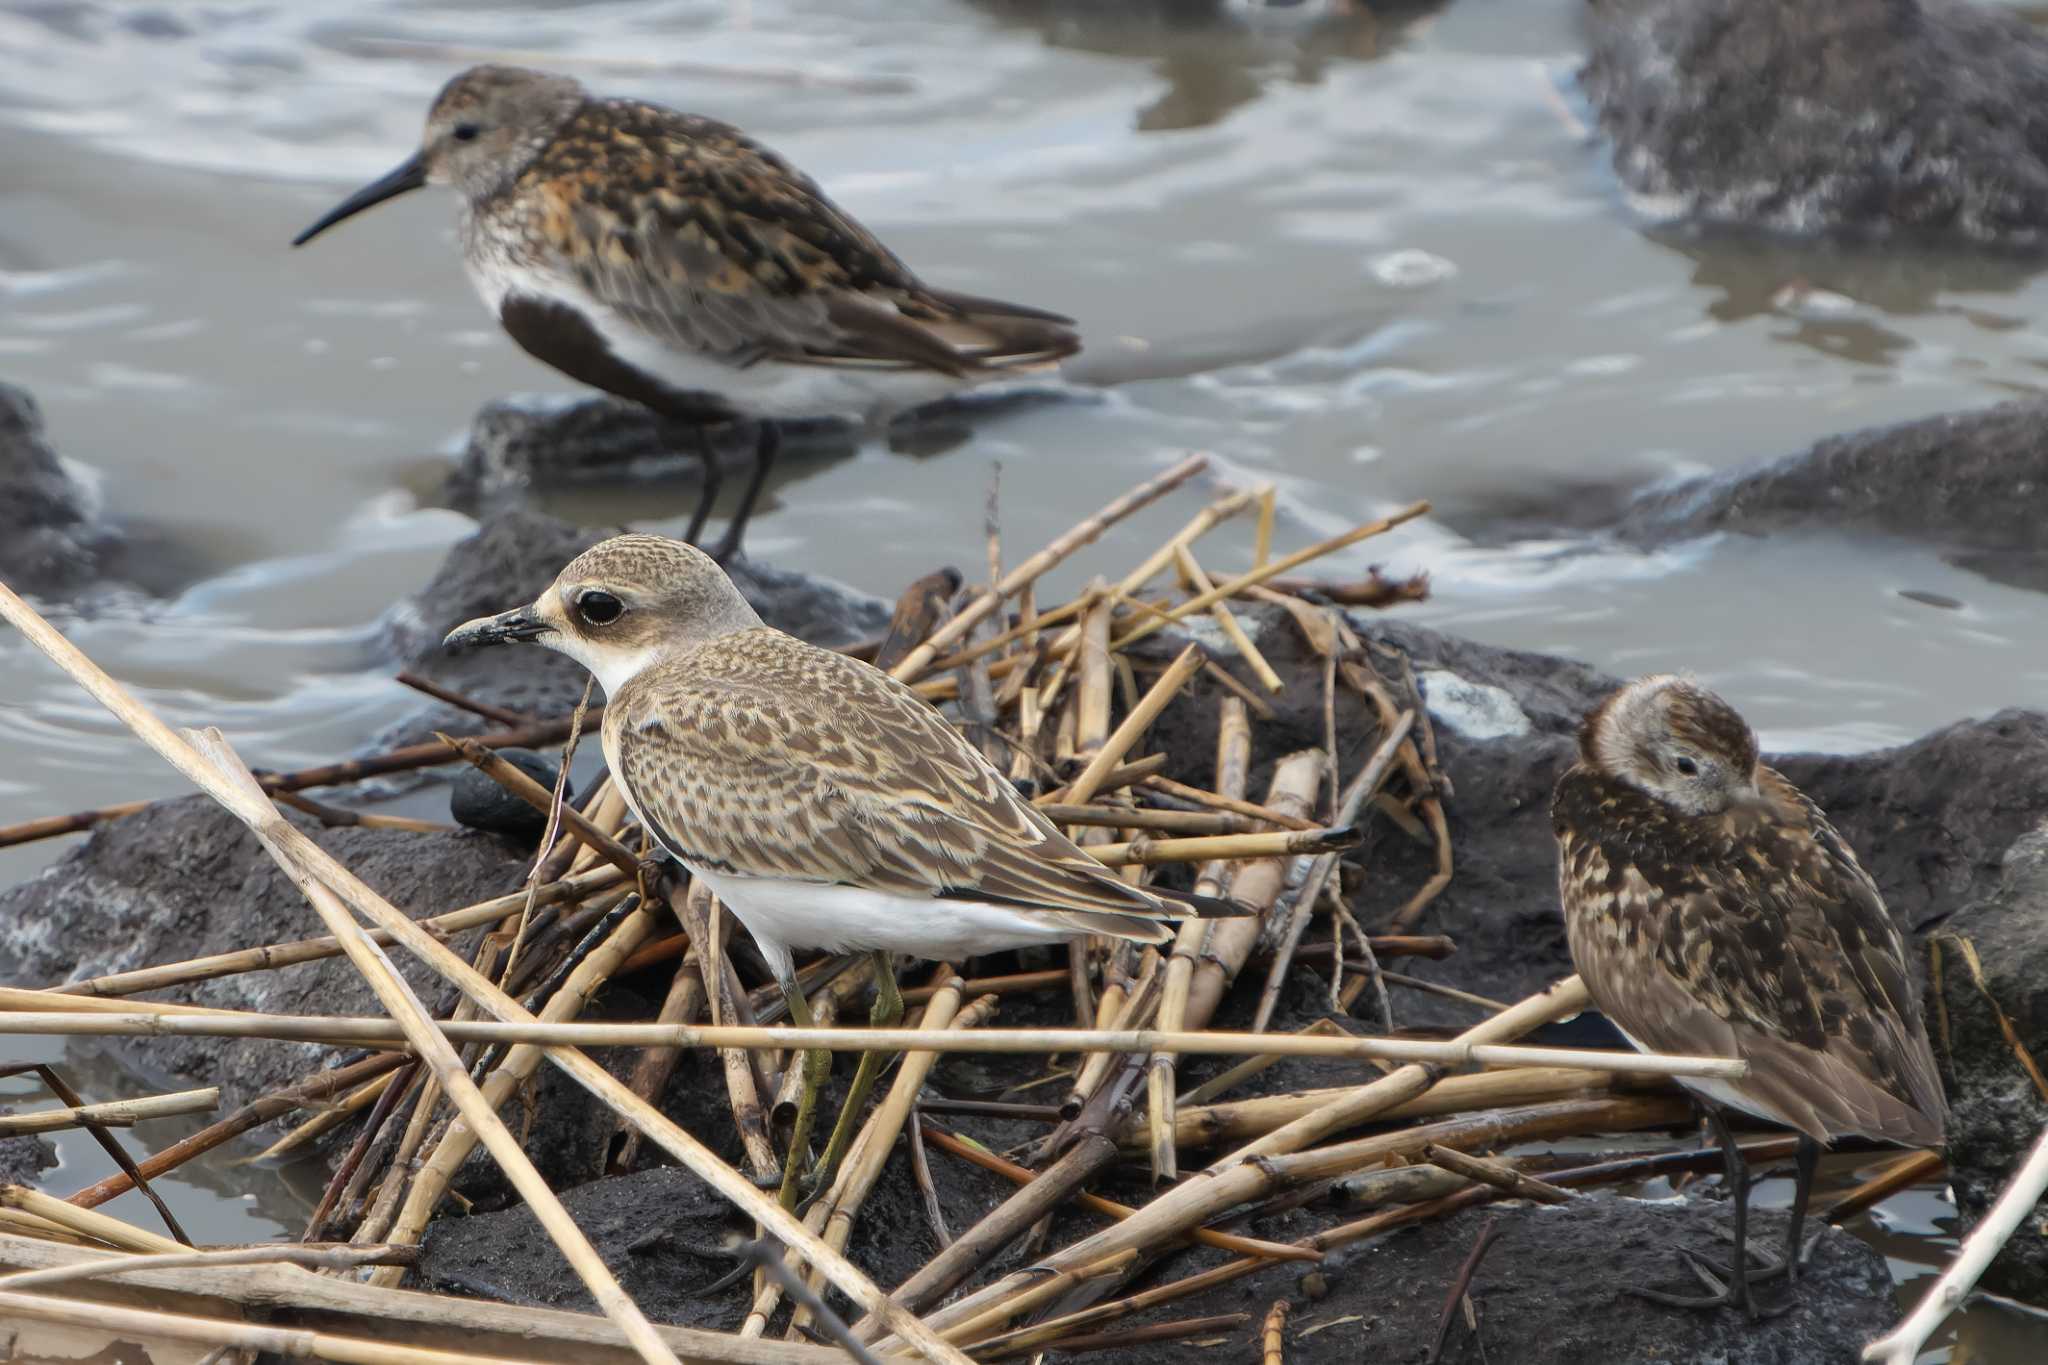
(1372, 259)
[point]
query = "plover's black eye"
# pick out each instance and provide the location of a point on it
(466, 132)
(599, 608)
(1686, 766)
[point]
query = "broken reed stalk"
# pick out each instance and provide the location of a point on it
(1233, 631)
(1119, 743)
(694, 908)
(1222, 1184)
(540, 798)
(919, 660)
(1902, 1345)
(1273, 1335)
(1230, 588)
(111, 1113)
(274, 955)
(1507, 1179)
(437, 1054)
(321, 868)
(87, 1223)
(1279, 843)
(1216, 800)
(365, 1030)
(1094, 1203)
(307, 1257)
(430, 1184)
(313, 1090)
(468, 1325)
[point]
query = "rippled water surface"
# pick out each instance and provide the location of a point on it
(1371, 256)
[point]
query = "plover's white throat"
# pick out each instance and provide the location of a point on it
(1713, 910)
(671, 260)
(824, 802)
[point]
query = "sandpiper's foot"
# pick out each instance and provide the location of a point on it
(1723, 1290)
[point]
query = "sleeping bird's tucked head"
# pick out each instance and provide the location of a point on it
(1675, 741)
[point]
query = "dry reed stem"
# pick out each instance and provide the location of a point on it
(437, 1055)
(694, 908)
(1109, 1208)
(1233, 1076)
(85, 1222)
(1507, 1179)
(552, 1333)
(313, 1090)
(360, 1030)
(918, 660)
(328, 1118)
(514, 1069)
(274, 955)
(540, 798)
(1279, 843)
(1216, 801)
(651, 1072)
(111, 1113)
(297, 1343)
(1273, 1335)
(305, 1257)
(1230, 588)
(1050, 1287)
(1222, 1183)
(1208, 1125)
(1233, 631)
(1910, 1169)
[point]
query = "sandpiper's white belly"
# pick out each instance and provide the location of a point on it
(766, 388)
(841, 919)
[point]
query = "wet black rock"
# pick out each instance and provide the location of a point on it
(1550, 1291)
(478, 802)
(184, 878)
(1993, 959)
(23, 1159)
(516, 445)
(1972, 484)
(513, 556)
(1866, 118)
(51, 542)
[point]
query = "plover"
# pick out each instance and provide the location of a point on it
(824, 802)
(1712, 909)
(670, 259)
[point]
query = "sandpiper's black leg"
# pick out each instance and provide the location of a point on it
(1731, 1290)
(766, 447)
(1795, 1249)
(714, 475)
(887, 1012)
(817, 1064)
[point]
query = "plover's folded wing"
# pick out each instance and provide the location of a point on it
(856, 782)
(726, 249)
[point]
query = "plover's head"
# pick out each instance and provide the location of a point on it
(484, 128)
(619, 605)
(1676, 741)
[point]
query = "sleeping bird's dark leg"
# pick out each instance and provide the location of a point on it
(1734, 1291)
(887, 1012)
(766, 446)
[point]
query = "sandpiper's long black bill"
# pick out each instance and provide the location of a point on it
(506, 628)
(409, 176)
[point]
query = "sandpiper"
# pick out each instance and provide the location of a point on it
(824, 802)
(669, 259)
(1712, 909)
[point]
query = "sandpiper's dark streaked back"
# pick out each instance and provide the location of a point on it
(669, 259)
(1713, 910)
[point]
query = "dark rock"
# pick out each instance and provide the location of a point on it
(51, 542)
(184, 878)
(476, 801)
(24, 1158)
(521, 444)
(1972, 484)
(1864, 118)
(1993, 969)
(1552, 1290)
(510, 560)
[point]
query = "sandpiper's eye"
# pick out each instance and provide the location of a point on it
(599, 608)
(466, 132)
(1686, 766)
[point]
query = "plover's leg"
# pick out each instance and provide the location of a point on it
(817, 1066)
(886, 1012)
(766, 446)
(1734, 1290)
(707, 455)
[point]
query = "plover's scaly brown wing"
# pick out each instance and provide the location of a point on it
(1775, 947)
(701, 236)
(761, 756)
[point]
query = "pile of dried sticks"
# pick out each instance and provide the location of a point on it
(1066, 698)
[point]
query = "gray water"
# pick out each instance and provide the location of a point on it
(1371, 259)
